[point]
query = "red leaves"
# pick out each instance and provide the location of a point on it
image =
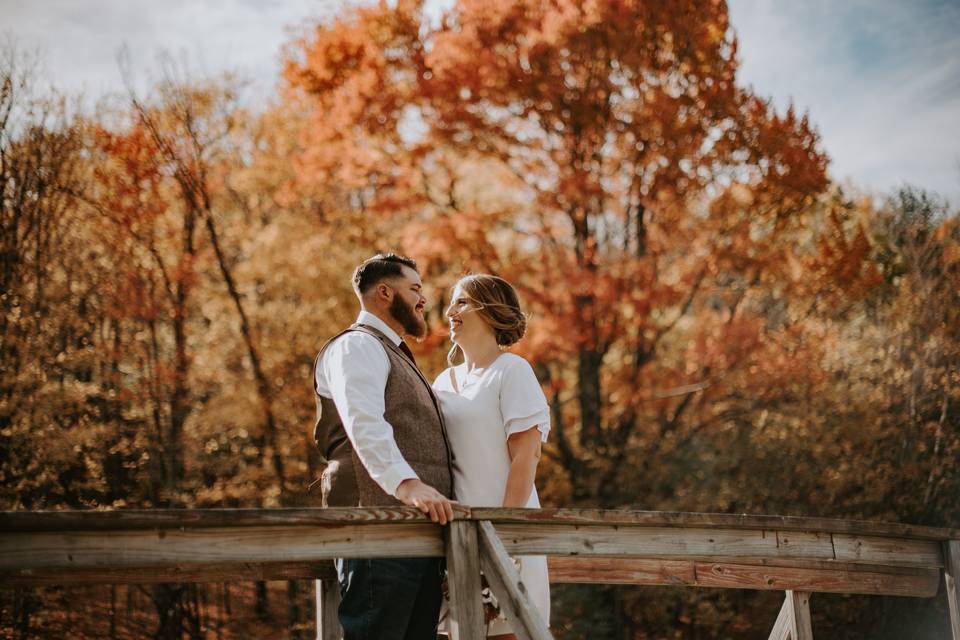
(655, 223)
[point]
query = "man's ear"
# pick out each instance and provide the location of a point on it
(384, 292)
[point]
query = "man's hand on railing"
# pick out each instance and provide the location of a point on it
(415, 493)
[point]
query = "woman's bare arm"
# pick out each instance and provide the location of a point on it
(524, 448)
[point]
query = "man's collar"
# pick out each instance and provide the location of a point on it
(374, 321)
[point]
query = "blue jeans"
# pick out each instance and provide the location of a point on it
(389, 598)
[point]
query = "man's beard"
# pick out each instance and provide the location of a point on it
(407, 317)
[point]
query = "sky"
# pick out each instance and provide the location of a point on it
(880, 79)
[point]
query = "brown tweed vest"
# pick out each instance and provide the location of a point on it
(418, 429)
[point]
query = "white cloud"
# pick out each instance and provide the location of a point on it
(80, 40)
(880, 79)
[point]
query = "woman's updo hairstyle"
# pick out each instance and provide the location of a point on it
(498, 305)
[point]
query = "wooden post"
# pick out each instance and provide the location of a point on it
(793, 623)
(523, 615)
(328, 599)
(800, 602)
(466, 621)
(951, 574)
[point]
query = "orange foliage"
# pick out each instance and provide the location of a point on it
(600, 156)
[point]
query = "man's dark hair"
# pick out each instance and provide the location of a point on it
(380, 267)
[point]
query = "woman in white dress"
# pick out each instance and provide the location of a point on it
(496, 414)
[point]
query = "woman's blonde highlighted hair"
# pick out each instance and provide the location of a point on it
(498, 305)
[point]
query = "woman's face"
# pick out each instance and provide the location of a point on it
(465, 322)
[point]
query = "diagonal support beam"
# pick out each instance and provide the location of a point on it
(511, 593)
(793, 623)
(782, 627)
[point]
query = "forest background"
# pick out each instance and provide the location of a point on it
(717, 325)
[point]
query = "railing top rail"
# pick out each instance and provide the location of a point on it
(126, 519)
(682, 519)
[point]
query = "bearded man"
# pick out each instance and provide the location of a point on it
(382, 435)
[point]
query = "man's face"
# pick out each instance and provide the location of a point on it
(408, 303)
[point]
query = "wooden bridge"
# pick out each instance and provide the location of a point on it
(799, 556)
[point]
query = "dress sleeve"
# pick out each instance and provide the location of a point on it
(522, 403)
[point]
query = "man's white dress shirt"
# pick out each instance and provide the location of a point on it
(353, 372)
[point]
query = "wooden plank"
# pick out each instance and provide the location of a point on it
(328, 600)
(799, 603)
(207, 546)
(710, 520)
(621, 571)
(827, 578)
(824, 577)
(783, 626)
(11, 521)
(175, 573)
(650, 542)
(804, 544)
(951, 576)
(466, 620)
(125, 519)
(504, 579)
(920, 583)
(887, 551)
(705, 544)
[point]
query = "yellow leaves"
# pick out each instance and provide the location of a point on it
(741, 195)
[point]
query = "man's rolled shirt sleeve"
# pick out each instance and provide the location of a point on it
(356, 371)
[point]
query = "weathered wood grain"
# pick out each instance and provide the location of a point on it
(11, 521)
(126, 519)
(825, 577)
(887, 551)
(920, 583)
(951, 576)
(328, 599)
(793, 622)
(783, 626)
(712, 544)
(710, 520)
(175, 573)
(144, 548)
(804, 544)
(651, 542)
(799, 603)
(466, 620)
(621, 571)
(515, 602)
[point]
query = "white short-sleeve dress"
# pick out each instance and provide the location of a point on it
(482, 408)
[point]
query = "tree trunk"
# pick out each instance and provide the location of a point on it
(166, 600)
(588, 383)
(195, 613)
(22, 604)
(113, 612)
(293, 609)
(180, 398)
(221, 610)
(261, 605)
(264, 390)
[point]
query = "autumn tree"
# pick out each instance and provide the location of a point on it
(55, 417)
(651, 200)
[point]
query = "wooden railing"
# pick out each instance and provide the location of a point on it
(800, 556)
